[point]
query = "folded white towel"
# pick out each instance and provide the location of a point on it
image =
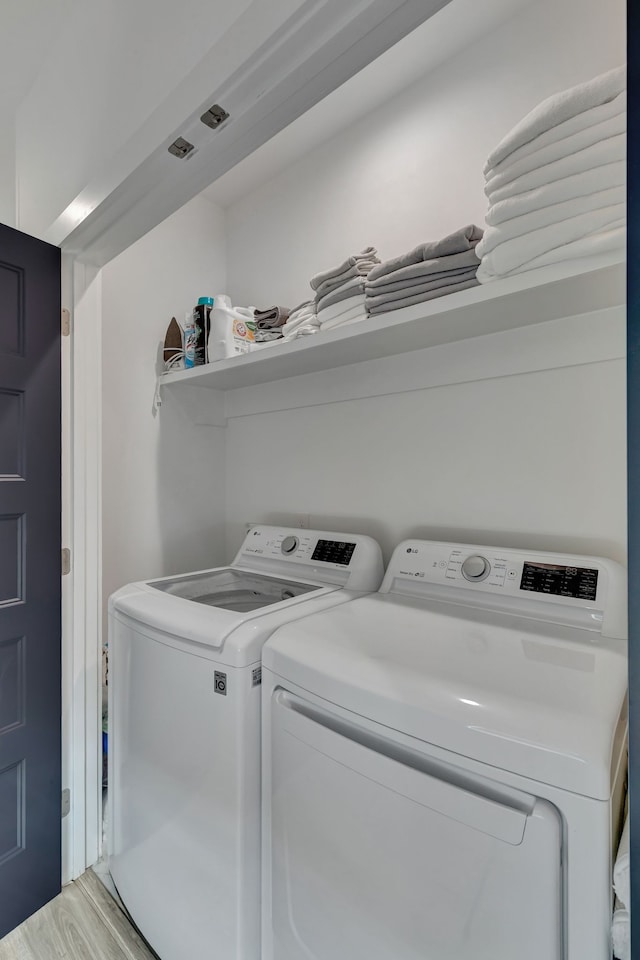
(580, 123)
(339, 322)
(289, 332)
(621, 932)
(550, 194)
(507, 256)
(558, 108)
(535, 158)
(303, 330)
(597, 155)
(621, 867)
(296, 320)
(612, 241)
(355, 311)
(334, 310)
(558, 213)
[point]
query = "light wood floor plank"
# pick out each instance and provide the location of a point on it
(81, 923)
(130, 942)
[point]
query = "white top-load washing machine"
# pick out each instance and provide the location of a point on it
(184, 736)
(444, 762)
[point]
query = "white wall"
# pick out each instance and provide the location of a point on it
(531, 460)
(163, 477)
(412, 170)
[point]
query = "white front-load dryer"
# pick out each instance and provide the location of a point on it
(444, 762)
(184, 731)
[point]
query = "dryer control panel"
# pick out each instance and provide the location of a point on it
(589, 588)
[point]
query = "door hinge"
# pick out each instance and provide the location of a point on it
(66, 322)
(66, 561)
(66, 802)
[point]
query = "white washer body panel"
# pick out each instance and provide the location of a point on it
(184, 751)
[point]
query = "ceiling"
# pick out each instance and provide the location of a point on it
(29, 28)
(446, 33)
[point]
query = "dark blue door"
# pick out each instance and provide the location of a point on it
(30, 707)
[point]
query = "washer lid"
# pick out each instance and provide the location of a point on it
(207, 607)
(231, 589)
(541, 700)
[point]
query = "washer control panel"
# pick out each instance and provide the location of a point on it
(342, 559)
(303, 546)
(512, 573)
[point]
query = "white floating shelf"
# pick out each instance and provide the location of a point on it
(536, 297)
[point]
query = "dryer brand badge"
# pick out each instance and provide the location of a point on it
(220, 683)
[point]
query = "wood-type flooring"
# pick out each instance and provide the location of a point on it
(82, 923)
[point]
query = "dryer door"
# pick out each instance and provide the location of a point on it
(383, 853)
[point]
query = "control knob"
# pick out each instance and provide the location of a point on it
(476, 568)
(289, 544)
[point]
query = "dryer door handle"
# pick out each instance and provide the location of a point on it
(449, 790)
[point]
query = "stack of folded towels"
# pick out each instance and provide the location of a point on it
(621, 934)
(430, 270)
(556, 182)
(269, 323)
(302, 322)
(339, 292)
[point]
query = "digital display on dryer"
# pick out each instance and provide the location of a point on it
(333, 551)
(580, 583)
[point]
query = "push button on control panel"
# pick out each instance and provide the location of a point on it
(476, 568)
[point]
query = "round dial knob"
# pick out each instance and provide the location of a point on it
(289, 544)
(476, 568)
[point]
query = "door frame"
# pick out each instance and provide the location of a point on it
(82, 587)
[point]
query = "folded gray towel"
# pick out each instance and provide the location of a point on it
(352, 288)
(404, 287)
(271, 317)
(413, 290)
(369, 253)
(422, 297)
(359, 269)
(425, 270)
(459, 242)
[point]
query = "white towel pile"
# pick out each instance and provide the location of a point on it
(302, 321)
(556, 182)
(620, 928)
(339, 292)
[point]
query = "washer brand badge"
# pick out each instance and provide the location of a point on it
(220, 683)
(411, 550)
(256, 677)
